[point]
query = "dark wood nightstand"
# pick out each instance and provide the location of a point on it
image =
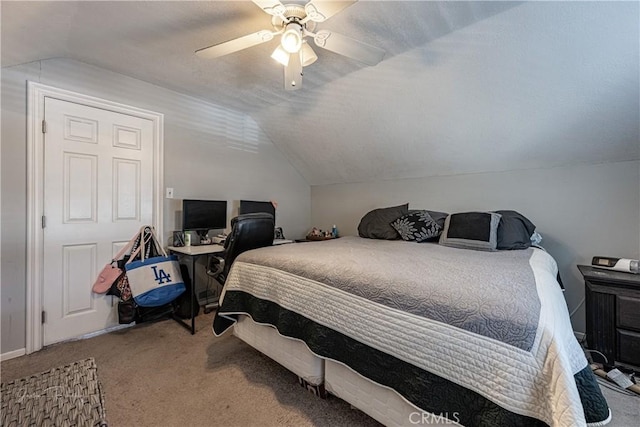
(613, 314)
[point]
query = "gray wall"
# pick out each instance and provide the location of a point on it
(581, 211)
(210, 153)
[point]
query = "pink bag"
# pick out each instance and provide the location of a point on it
(107, 276)
(111, 271)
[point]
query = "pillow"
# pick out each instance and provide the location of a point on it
(416, 226)
(471, 230)
(376, 224)
(438, 217)
(514, 231)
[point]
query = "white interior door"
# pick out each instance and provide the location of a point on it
(98, 191)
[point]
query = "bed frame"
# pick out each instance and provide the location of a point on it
(317, 374)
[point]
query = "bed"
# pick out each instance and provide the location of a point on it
(414, 333)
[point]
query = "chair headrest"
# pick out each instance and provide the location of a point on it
(248, 231)
(252, 216)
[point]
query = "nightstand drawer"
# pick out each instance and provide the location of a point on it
(612, 301)
(628, 312)
(629, 347)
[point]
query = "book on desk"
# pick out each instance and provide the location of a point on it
(282, 241)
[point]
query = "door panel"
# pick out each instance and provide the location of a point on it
(126, 190)
(79, 266)
(80, 188)
(80, 129)
(98, 192)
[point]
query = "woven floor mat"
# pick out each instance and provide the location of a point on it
(65, 396)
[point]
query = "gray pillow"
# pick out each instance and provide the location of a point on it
(514, 231)
(471, 230)
(417, 226)
(377, 223)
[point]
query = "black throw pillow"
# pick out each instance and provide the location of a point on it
(514, 231)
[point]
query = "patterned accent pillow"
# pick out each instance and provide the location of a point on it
(417, 226)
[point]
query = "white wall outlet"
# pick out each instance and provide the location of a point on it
(169, 193)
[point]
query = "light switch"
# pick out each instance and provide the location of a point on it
(169, 193)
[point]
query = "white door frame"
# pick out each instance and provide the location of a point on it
(36, 93)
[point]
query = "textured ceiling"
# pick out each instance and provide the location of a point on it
(155, 41)
(464, 86)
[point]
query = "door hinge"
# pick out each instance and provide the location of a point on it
(44, 221)
(44, 126)
(43, 316)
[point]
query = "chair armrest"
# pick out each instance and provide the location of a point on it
(215, 265)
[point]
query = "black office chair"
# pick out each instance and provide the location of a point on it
(248, 231)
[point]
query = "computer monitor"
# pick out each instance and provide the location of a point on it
(252, 206)
(204, 215)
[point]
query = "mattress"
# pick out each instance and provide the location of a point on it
(428, 322)
(292, 354)
(380, 403)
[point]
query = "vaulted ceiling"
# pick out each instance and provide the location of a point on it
(464, 87)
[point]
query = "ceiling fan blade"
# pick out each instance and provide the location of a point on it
(320, 11)
(293, 73)
(235, 45)
(349, 47)
(272, 7)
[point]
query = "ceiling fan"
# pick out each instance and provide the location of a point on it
(295, 22)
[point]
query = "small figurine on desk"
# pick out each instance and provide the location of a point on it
(318, 234)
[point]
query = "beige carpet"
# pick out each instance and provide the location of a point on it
(159, 375)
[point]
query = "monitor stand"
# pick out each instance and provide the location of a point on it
(202, 235)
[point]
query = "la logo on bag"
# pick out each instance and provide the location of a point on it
(161, 275)
(156, 280)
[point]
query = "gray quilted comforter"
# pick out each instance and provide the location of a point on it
(450, 315)
(473, 290)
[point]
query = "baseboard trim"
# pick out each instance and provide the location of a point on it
(103, 331)
(13, 354)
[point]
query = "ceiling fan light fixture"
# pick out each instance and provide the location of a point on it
(281, 55)
(291, 40)
(308, 55)
(295, 23)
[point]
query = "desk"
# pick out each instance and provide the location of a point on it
(194, 252)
